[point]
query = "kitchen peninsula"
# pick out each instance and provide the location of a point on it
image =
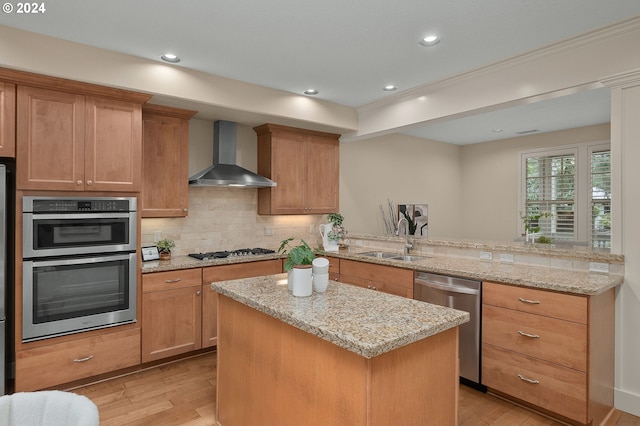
(347, 356)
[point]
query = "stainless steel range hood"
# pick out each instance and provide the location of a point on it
(225, 171)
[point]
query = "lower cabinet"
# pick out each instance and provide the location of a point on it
(47, 366)
(550, 350)
(389, 279)
(171, 313)
(222, 273)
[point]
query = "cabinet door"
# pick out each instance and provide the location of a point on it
(221, 273)
(7, 120)
(288, 164)
(172, 322)
(323, 170)
(50, 139)
(165, 164)
(113, 145)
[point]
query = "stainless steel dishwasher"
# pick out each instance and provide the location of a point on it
(464, 295)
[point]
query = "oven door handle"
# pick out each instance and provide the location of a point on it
(65, 216)
(79, 261)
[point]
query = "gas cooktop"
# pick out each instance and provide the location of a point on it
(223, 254)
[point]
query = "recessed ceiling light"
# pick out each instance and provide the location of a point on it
(311, 92)
(430, 40)
(496, 130)
(389, 88)
(170, 57)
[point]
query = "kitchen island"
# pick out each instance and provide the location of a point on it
(347, 356)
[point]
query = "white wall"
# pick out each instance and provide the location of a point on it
(405, 170)
(625, 152)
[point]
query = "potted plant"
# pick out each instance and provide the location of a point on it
(333, 232)
(337, 232)
(164, 248)
(298, 264)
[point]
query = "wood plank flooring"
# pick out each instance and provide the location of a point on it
(184, 393)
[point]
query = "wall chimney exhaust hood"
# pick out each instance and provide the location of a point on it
(225, 171)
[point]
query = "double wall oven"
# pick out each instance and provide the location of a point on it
(79, 264)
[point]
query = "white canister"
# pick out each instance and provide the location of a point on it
(290, 280)
(302, 280)
(320, 282)
(320, 265)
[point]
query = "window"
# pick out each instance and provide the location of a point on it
(566, 193)
(601, 199)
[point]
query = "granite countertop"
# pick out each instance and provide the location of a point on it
(549, 278)
(368, 323)
(187, 262)
(557, 278)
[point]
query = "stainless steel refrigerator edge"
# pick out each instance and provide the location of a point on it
(3, 275)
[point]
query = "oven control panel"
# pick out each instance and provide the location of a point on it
(78, 205)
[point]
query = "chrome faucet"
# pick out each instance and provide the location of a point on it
(407, 245)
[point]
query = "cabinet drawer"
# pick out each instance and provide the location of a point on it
(555, 388)
(161, 281)
(378, 273)
(558, 341)
(52, 365)
(542, 302)
(241, 270)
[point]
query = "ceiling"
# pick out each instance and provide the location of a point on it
(348, 50)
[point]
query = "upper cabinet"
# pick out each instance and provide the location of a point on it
(7, 120)
(165, 161)
(305, 166)
(73, 142)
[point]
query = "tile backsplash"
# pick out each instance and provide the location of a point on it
(227, 219)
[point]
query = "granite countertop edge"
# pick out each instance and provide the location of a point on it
(369, 338)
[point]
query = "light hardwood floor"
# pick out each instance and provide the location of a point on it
(184, 393)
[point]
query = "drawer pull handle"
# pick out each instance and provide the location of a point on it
(533, 336)
(532, 381)
(177, 280)
(83, 359)
(531, 302)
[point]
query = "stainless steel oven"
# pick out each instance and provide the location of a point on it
(79, 264)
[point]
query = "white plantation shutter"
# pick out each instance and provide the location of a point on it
(550, 184)
(600, 179)
(567, 192)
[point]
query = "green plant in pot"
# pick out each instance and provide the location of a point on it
(302, 254)
(164, 248)
(337, 232)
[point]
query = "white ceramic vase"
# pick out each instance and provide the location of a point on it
(329, 245)
(302, 280)
(290, 280)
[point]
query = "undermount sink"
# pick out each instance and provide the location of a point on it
(380, 254)
(409, 258)
(393, 256)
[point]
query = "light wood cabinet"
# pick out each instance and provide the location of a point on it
(389, 279)
(305, 166)
(222, 273)
(334, 268)
(73, 142)
(550, 350)
(171, 313)
(52, 365)
(165, 161)
(7, 120)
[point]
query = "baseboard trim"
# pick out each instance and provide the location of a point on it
(627, 401)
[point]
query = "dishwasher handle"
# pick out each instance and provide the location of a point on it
(450, 287)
